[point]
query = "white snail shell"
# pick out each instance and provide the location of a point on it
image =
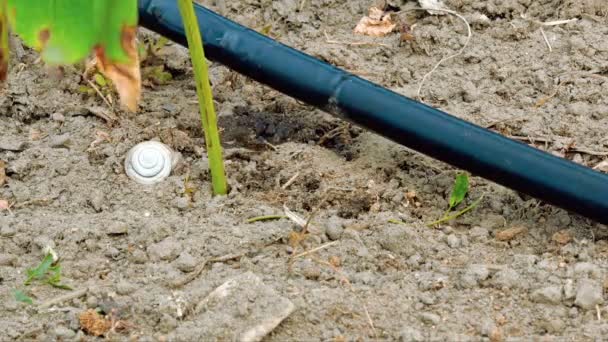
(150, 162)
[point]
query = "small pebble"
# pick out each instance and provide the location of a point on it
(409, 334)
(478, 233)
(117, 228)
(58, 117)
(453, 241)
(7, 259)
(124, 288)
(506, 278)
(64, 333)
(430, 318)
(139, 257)
(186, 262)
(168, 249)
(547, 295)
(334, 229)
(427, 298)
(589, 293)
(569, 290)
(181, 203)
(61, 141)
(310, 270)
(7, 231)
(474, 274)
(112, 252)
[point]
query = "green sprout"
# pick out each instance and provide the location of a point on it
(459, 192)
(205, 97)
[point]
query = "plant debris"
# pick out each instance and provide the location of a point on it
(2, 173)
(93, 323)
(377, 23)
(510, 233)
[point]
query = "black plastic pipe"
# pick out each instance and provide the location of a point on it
(403, 120)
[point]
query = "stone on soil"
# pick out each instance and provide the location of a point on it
(241, 309)
(589, 293)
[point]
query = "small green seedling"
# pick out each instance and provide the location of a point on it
(20, 296)
(205, 97)
(459, 192)
(47, 272)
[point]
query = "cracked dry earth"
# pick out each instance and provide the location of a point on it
(514, 269)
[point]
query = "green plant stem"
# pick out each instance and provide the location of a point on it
(463, 211)
(205, 97)
(265, 218)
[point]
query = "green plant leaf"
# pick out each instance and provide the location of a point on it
(67, 31)
(40, 271)
(20, 296)
(461, 187)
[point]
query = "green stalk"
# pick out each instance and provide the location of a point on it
(205, 97)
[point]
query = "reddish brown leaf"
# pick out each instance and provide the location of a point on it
(125, 76)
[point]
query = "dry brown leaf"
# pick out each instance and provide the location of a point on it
(125, 76)
(2, 173)
(93, 323)
(510, 233)
(562, 237)
(376, 24)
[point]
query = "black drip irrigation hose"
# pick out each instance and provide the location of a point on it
(396, 117)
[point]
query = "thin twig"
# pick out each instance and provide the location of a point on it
(590, 152)
(290, 181)
(313, 250)
(546, 39)
(265, 218)
(466, 43)
(529, 139)
(66, 297)
(100, 95)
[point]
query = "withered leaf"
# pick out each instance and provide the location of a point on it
(376, 24)
(125, 76)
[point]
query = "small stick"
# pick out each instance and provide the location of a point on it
(100, 95)
(265, 218)
(530, 139)
(64, 298)
(546, 40)
(590, 152)
(290, 181)
(316, 249)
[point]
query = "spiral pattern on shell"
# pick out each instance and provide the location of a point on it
(149, 162)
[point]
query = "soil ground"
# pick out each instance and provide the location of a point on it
(127, 244)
